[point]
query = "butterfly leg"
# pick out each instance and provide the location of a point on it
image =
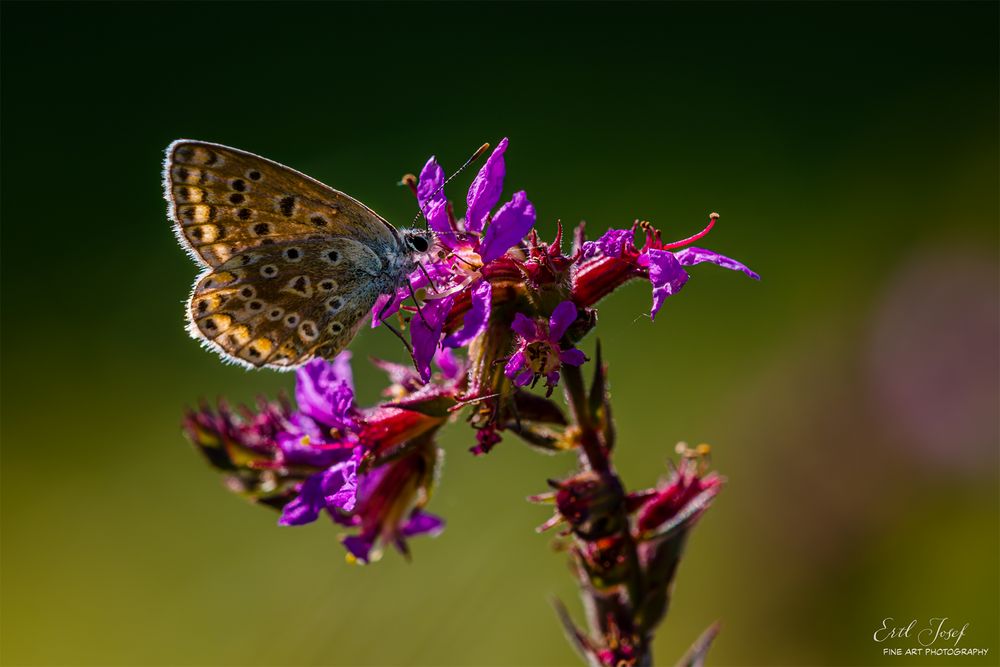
(417, 303)
(428, 276)
(393, 329)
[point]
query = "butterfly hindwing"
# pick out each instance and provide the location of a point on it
(224, 201)
(279, 305)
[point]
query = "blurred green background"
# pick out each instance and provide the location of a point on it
(851, 396)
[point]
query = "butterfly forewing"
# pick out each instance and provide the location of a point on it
(293, 267)
(224, 201)
(279, 305)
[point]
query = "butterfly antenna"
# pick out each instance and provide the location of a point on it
(482, 149)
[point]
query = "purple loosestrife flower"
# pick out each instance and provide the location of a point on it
(368, 468)
(539, 352)
(321, 434)
(519, 306)
(390, 504)
(475, 256)
(613, 259)
(242, 446)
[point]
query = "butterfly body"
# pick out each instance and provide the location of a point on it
(292, 267)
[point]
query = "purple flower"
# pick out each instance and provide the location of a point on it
(539, 352)
(613, 259)
(322, 433)
(332, 437)
(333, 489)
(425, 333)
(390, 500)
(460, 278)
(484, 193)
(324, 391)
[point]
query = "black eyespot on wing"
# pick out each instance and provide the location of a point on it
(239, 185)
(333, 256)
(287, 206)
(261, 228)
(318, 220)
(293, 253)
(244, 214)
(253, 175)
(237, 198)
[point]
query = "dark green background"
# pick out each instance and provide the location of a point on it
(851, 149)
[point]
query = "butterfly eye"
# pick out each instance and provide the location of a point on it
(419, 243)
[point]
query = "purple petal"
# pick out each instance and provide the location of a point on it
(451, 367)
(572, 356)
(690, 256)
(341, 484)
(440, 222)
(324, 391)
(421, 523)
(524, 378)
(525, 327)
(484, 193)
(563, 316)
(430, 186)
(295, 452)
(552, 379)
(476, 318)
(359, 546)
(612, 243)
(425, 332)
(342, 369)
(514, 364)
(509, 225)
(666, 275)
(305, 507)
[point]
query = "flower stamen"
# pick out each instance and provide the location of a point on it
(691, 239)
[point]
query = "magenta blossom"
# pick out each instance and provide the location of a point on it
(475, 247)
(390, 504)
(322, 433)
(613, 259)
(329, 431)
(539, 352)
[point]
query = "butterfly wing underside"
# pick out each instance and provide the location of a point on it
(292, 266)
(223, 201)
(278, 306)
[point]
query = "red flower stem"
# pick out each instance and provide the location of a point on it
(595, 456)
(576, 396)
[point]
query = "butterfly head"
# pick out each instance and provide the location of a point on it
(417, 241)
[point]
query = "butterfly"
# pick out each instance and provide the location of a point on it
(291, 267)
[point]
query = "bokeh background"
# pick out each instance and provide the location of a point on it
(851, 396)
